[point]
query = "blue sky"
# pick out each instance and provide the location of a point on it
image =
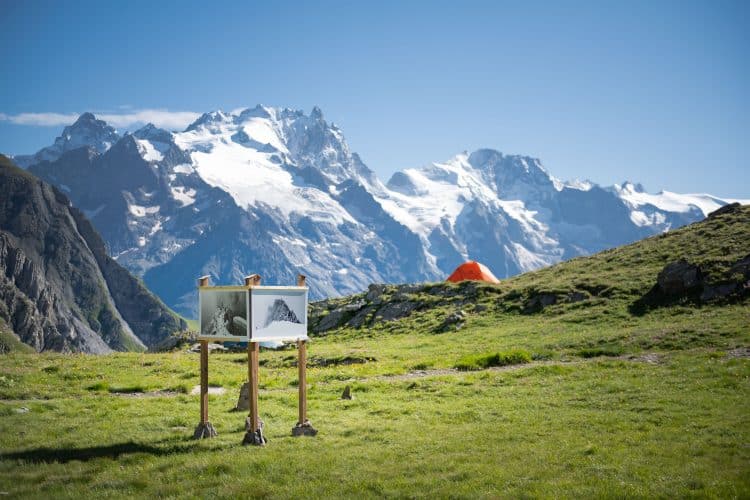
(655, 92)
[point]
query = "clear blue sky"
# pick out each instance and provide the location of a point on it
(655, 91)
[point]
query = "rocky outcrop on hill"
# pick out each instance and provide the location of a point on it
(59, 290)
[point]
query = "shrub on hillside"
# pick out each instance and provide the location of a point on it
(487, 360)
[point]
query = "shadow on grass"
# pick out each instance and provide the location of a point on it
(655, 299)
(113, 451)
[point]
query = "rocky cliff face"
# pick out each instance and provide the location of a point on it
(59, 290)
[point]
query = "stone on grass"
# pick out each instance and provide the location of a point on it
(205, 431)
(243, 402)
(304, 429)
(255, 438)
(453, 322)
(347, 394)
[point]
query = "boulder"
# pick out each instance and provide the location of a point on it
(539, 302)
(679, 278)
(395, 310)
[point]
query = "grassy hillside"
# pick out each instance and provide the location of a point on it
(609, 389)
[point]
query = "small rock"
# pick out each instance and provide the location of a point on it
(453, 322)
(739, 352)
(354, 306)
(304, 429)
(205, 431)
(347, 394)
(254, 438)
(243, 402)
(22, 409)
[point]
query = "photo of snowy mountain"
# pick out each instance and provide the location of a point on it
(278, 313)
(223, 314)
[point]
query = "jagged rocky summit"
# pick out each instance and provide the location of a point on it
(278, 192)
(280, 311)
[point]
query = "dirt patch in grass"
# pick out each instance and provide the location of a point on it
(651, 357)
(211, 390)
(147, 394)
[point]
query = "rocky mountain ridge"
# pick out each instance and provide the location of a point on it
(59, 290)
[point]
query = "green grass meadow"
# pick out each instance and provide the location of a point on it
(585, 398)
(643, 422)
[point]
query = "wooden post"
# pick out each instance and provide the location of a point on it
(204, 429)
(302, 374)
(303, 427)
(252, 352)
(253, 424)
(204, 382)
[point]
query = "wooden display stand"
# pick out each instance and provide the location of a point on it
(253, 423)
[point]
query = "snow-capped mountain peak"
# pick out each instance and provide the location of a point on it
(278, 191)
(86, 131)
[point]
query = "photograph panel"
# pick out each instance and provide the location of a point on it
(223, 314)
(279, 314)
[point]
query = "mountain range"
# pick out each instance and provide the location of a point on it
(278, 192)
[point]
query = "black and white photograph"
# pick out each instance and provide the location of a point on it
(279, 314)
(223, 314)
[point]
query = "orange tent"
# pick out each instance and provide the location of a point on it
(472, 270)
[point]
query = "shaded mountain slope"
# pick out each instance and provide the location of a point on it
(59, 290)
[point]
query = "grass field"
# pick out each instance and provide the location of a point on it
(651, 422)
(576, 400)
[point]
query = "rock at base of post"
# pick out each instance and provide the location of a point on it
(304, 429)
(204, 431)
(255, 438)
